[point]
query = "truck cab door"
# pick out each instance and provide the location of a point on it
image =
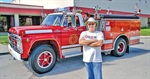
(70, 36)
(72, 28)
(66, 30)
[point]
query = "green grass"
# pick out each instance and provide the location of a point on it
(4, 39)
(145, 32)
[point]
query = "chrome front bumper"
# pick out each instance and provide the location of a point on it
(16, 55)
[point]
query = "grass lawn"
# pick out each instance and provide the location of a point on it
(4, 39)
(145, 32)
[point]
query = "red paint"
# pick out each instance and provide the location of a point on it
(59, 36)
(24, 11)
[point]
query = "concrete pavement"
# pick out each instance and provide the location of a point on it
(3, 49)
(133, 65)
(144, 37)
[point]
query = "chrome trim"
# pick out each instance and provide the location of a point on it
(107, 41)
(134, 37)
(15, 35)
(14, 53)
(37, 31)
(19, 45)
(18, 40)
(69, 46)
(71, 52)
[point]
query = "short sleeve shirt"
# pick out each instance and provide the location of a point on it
(92, 54)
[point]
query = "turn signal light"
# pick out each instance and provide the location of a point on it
(15, 41)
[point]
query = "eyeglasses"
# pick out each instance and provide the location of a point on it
(91, 24)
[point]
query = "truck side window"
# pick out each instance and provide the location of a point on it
(69, 21)
(57, 21)
(65, 23)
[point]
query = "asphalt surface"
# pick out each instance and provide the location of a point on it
(133, 65)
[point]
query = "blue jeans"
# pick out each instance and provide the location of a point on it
(94, 70)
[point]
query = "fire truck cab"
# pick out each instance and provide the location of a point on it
(57, 38)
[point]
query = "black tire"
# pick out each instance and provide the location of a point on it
(42, 59)
(120, 48)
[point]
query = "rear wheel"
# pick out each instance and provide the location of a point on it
(120, 47)
(42, 59)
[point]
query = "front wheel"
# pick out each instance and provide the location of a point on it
(120, 48)
(42, 59)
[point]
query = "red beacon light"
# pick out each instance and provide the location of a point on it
(15, 41)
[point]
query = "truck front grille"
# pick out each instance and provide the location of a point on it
(13, 42)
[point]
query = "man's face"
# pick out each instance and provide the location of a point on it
(91, 26)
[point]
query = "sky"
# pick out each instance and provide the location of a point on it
(6, 0)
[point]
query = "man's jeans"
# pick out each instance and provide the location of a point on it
(94, 70)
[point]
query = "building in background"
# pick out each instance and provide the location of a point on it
(47, 4)
(20, 15)
(127, 7)
(30, 12)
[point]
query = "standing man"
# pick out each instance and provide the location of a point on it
(92, 41)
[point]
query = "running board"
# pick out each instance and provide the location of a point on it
(72, 54)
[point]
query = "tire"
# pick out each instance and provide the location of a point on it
(120, 48)
(42, 59)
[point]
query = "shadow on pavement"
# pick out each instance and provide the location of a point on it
(64, 66)
(4, 53)
(134, 52)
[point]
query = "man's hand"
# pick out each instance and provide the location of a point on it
(86, 42)
(92, 42)
(96, 43)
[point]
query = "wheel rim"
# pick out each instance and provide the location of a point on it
(45, 59)
(121, 47)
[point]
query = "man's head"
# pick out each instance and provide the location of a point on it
(91, 24)
(69, 19)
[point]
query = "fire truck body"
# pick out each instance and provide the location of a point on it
(125, 29)
(54, 39)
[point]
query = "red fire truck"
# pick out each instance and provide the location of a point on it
(57, 38)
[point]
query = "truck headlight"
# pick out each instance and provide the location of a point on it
(19, 45)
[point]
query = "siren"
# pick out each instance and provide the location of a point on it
(139, 11)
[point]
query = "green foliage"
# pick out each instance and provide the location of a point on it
(145, 27)
(145, 31)
(4, 39)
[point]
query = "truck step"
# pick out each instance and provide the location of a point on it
(71, 52)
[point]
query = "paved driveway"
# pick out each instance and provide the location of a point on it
(133, 65)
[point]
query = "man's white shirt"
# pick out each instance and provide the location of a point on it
(92, 54)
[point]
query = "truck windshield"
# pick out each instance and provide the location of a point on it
(54, 20)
